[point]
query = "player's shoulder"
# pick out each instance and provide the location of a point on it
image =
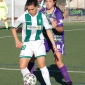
(57, 10)
(43, 15)
(42, 10)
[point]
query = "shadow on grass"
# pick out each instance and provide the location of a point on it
(54, 72)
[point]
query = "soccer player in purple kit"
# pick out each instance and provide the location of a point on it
(55, 18)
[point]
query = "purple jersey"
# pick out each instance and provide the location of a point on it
(57, 15)
(58, 37)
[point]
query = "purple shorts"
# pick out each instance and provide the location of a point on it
(60, 46)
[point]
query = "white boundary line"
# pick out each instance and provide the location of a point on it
(7, 36)
(49, 70)
(64, 30)
(76, 29)
(81, 72)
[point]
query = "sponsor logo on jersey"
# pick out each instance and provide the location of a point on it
(33, 27)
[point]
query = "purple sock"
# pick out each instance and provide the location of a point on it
(31, 67)
(64, 72)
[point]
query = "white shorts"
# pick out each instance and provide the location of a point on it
(33, 47)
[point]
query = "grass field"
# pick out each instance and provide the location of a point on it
(74, 58)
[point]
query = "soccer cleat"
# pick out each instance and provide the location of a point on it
(69, 83)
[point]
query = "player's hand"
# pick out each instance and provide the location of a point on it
(55, 54)
(54, 23)
(18, 44)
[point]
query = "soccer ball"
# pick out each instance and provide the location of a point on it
(30, 79)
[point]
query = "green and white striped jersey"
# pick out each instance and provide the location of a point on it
(32, 26)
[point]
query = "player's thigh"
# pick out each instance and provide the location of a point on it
(40, 54)
(60, 46)
(61, 50)
(23, 62)
(40, 50)
(41, 61)
(25, 55)
(26, 50)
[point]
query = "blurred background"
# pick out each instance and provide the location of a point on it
(73, 10)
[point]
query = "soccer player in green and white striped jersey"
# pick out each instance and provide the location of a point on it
(33, 39)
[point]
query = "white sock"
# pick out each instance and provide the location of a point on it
(25, 71)
(45, 75)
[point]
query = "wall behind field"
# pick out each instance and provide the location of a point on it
(18, 7)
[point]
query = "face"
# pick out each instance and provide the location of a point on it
(32, 10)
(1, 0)
(49, 4)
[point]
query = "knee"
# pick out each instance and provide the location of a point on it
(59, 64)
(22, 66)
(41, 65)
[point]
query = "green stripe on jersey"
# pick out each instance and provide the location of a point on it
(39, 23)
(34, 27)
(28, 31)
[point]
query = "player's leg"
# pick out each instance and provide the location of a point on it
(6, 23)
(32, 61)
(23, 62)
(60, 64)
(25, 56)
(44, 70)
(5, 20)
(31, 64)
(40, 54)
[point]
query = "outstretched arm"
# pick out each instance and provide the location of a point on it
(17, 42)
(50, 35)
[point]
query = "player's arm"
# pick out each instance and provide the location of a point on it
(58, 23)
(18, 43)
(49, 33)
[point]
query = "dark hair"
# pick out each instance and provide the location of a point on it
(55, 5)
(30, 2)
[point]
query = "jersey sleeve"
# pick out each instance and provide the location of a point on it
(20, 20)
(59, 18)
(46, 23)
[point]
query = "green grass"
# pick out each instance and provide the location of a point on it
(74, 58)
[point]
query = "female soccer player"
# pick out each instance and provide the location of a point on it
(55, 18)
(3, 12)
(33, 39)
